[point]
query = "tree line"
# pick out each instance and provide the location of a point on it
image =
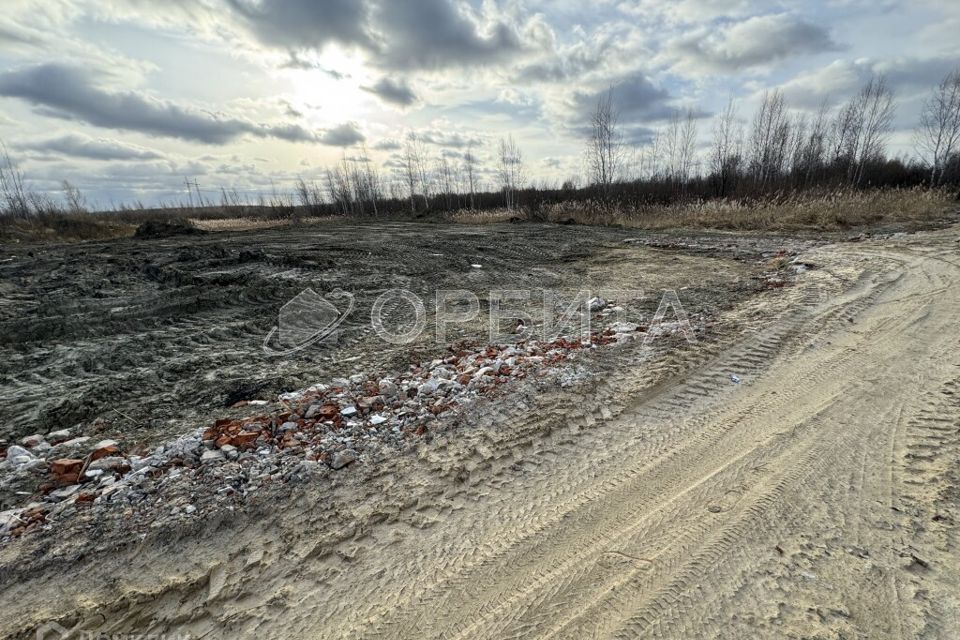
(773, 150)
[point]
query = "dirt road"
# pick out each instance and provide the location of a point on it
(817, 498)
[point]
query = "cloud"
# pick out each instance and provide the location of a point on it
(297, 62)
(13, 35)
(452, 139)
(396, 92)
(306, 24)
(438, 34)
(834, 81)
(841, 78)
(570, 62)
(635, 98)
(909, 72)
(80, 146)
(398, 35)
(344, 135)
(68, 92)
(754, 42)
(686, 11)
(387, 145)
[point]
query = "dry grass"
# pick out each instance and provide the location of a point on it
(236, 224)
(804, 211)
(825, 211)
(252, 224)
(64, 228)
(77, 227)
(490, 216)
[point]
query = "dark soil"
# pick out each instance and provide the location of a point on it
(149, 338)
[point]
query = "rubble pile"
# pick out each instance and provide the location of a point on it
(321, 429)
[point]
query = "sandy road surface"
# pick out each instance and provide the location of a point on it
(818, 498)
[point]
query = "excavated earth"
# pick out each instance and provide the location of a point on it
(791, 471)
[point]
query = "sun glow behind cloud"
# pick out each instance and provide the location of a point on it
(327, 88)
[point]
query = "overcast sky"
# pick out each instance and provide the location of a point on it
(126, 97)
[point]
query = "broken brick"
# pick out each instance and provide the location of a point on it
(64, 466)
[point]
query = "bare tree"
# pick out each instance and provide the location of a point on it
(423, 173)
(410, 172)
(415, 170)
(445, 176)
(670, 145)
(370, 180)
(12, 189)
(304, 195)
(938, 136)
(652, 163)
(878, 108)
(862, 127)
(811, 156)
(470, 168)
(769, 138)
(76, 203)
(511, 170)
(339, 187)
(687, 147)
(725, 156)
(605, 150)
(679, 148)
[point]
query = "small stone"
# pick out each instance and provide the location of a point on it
(75, 443)
(596, 303)
(104, 448)
(442, 373)
(189, 509)
(348, 412)
(428, 388)
(230, 452)
(56, 437)
(377, 419)
(289, 426)
(343, 458)
(18, 455)
(372, 403)
(31, 441)
(64, 493)
(211, 455)
(388, 389)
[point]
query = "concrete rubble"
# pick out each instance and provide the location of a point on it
(322, 429)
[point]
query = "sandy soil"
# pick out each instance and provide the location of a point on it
(656, 497)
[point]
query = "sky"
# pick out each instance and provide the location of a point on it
(127, 98)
